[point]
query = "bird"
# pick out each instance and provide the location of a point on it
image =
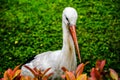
(66, 57)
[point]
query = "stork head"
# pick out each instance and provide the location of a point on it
(69, 18)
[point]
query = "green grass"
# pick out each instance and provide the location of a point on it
(29, 27)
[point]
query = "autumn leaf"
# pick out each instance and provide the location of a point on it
(69, 76)
(82, 77)
(80, 69)
(113, 74)
(100, 65)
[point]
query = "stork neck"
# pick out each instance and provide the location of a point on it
(68, 44)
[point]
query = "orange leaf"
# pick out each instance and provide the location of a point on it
(27, 78)
(22, 78)
(69, 76)
(9, 74)
(6, 76)
(45, 78)
(113, 74)
(15, 69)
(9, 71)
(16, 73)
(82, 77)
(34, 79)
(79, 69)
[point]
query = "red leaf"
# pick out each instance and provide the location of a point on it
(95, 74)
(100, 65)
(46, 71)
(92, 74)
(33, 72)
(64, 69)
(2, 79)
(47, 76)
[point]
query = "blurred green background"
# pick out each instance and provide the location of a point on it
(30, 27)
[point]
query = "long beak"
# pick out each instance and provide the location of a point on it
(73, 33)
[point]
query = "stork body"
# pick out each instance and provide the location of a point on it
(60, 58)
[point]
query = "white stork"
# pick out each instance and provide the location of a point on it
(65, 57)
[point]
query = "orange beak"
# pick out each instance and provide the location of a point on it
(74, 37)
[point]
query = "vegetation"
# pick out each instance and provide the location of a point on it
(29, 27)
(97, 73)
(16, 74)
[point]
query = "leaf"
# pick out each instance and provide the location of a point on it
(64, 69)
(46, 71)
(69, 76)
(38, 73)
(100, 65)
(9, 74)
(90, 78)
(79, 69)
(2, 79)
(6, 76)
(113, 74)
(63, 76)
(16, 73)
(29, 78)
(25, 78)
(94, 74)
(82, 77)
(32, 70)
(47, 76)
(15, 69)
(9, 71)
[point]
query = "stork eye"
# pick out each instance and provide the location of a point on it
(67, 19)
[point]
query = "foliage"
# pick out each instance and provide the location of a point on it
(75, 76)
(39, 74)
(25, 25)
(15, 74)
(114, 75)
(97, 73)
(12, 74)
